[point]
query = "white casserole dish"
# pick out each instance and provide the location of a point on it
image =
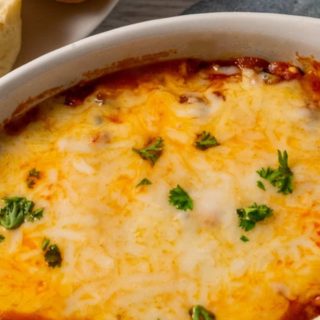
(204, 36)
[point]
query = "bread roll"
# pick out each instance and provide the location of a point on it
(10, 33)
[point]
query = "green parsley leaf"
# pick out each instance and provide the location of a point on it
(152, 151)
(52, 255)
(180, 199)
(32, 178)
(2, 238)
(205, 141)
(261, 185)
(244, 238)
(200, 313)
(144, 182)
(251, 215)
(282, 177)
(16, 211)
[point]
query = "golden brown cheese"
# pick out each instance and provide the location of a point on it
(127, 252)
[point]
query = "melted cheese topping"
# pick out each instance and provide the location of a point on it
(127, 253)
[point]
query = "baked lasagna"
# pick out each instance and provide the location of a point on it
(180, 190)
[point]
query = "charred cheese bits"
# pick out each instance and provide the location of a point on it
(10, 33)
(182, 190)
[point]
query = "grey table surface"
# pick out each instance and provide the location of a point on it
(132, 11)
(296, 7)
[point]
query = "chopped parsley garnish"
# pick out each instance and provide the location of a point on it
(244, 238)
(16, 211)
(32, 178)
(251, 215)
(180, 199)
(152, 151)
(2, 238)
(205, 140)
(144, 182)
(201, 313)
(261, 185)
(52, 254)
(282, 177)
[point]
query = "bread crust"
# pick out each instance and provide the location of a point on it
(10, 34)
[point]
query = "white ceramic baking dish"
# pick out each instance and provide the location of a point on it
(204, 36)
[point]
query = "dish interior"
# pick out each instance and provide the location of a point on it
(182, 185)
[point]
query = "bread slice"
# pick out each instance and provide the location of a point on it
(10, 33)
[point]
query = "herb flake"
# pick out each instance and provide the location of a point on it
(33, 177)
(35, 215)
(282, 177)
(248, 217)
(144, 182)
(205, 140)
(45, 244)
(261, 185)
(152, 151)
(2, 238)
(201, 313)
(243, 238)
(180, 199)
(52, 254)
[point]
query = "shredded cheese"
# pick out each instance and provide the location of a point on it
(127, 253)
